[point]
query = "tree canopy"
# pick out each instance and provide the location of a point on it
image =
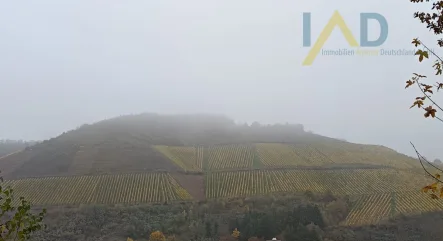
(17, 223)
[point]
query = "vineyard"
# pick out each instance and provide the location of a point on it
(312, 156)
(188, 158)
(365, 154)
(275, 155)
(377, 193)
(230, 157)
(279, 155)
(226, 171)
(237, 184)
(106, 189)
(371, 209)
(339, 182)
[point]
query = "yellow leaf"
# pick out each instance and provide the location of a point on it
(433, 196)
(416, 42)
(421, 54)
(437, 176)
(129, 239)
(426, 189)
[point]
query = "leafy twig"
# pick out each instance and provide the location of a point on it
(427, 96)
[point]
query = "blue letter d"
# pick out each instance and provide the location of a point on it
(364, 41)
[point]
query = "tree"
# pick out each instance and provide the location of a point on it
(157, 236)
(17, 222)
(425, 100)
(437, 161)
(236, 233)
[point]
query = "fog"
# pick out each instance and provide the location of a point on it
(65, 63)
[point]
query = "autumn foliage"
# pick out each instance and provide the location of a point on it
(428, 88)
(236, 233)
(157, 236)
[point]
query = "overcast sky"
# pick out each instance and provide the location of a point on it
(65, 63)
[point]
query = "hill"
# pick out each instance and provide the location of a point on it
(151, 158)
(150, 142)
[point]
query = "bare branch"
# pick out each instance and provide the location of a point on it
(420, 158)
(428, 162)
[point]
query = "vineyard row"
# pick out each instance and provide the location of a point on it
(110, 189)
(280, 155)
(339, 182)
(371, 209)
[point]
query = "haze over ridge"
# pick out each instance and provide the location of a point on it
(66, 64)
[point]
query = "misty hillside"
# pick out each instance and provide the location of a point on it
(184, 130)
(11, 146)
(129, 144)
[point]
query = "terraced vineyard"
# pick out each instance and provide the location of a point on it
(274, 155)
(371, 209)
(107, 189)
(230, 157)
(312, 156)
(416, 202)
(366, 154)
(224, 171)
(339, 182)
(188, 158)
(336, 153)
(237, 184)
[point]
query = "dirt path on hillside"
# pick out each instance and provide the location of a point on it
(194, 184)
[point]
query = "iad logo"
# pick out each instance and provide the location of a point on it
(337, 20)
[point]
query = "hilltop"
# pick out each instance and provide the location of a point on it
(151, 142)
